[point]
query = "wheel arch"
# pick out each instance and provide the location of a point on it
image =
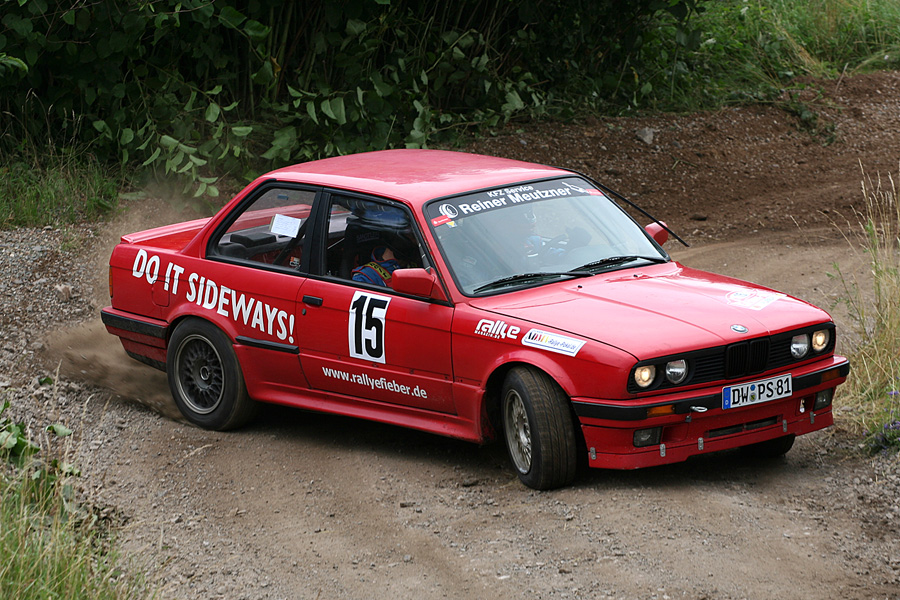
(180, 318)
(494, 387)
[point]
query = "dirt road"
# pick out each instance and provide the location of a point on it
(302, 505)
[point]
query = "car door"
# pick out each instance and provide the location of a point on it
(362, 339)
(262, 253)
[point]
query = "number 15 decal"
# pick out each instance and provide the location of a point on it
(367, 322)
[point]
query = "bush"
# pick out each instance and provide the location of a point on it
(191, 88)
(742, 51)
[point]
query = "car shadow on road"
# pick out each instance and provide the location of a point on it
(352, 435)
(484, 463)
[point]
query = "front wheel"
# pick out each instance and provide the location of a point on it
(539, 430)
(205, 377)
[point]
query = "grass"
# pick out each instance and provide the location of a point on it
(752, 50)
(48, 553)
(872, 393)
(51, 547)
(55, 188)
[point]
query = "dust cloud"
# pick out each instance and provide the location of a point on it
(87, 352)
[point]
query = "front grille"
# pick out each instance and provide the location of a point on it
(737, 360)
(734, 361)
(746, 358)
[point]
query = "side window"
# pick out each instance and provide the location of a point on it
(271, 229)
(369, 240)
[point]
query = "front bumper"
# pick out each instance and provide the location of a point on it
(696, 423)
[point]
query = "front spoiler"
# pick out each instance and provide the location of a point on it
(698, 423)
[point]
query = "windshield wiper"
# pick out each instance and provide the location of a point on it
(525, 277)
(618, 260)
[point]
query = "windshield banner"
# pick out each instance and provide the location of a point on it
(447, 211)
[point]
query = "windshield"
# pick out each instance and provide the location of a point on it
(535, 233)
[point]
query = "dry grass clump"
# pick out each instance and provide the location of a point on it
(872, 393)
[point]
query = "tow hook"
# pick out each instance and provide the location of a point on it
(696, 409)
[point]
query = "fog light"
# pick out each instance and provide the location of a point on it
(647, 437)
(799, 345)
(823, 399)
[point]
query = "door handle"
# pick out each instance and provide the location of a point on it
(312, 300)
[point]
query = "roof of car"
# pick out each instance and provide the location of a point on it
(414, 175)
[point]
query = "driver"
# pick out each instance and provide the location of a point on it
(379, 270)
(532, 245)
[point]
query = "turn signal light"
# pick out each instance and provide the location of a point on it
(659, 411)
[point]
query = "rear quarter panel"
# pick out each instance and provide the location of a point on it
(167, 286)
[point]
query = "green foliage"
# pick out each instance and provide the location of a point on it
(14, 444)
(194, 89)
(55, 188)
(19, 450)
(10, 64)
(872, 394)
(50, 546)
(751, 51)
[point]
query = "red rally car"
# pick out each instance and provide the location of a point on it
(471, 297)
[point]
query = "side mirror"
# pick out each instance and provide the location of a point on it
(417, 282)
(657, 232)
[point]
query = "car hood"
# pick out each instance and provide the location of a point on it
(657, 310)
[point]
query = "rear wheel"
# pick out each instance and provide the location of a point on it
(539, 430)
(205, 377)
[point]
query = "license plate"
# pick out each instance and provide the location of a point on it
(756, 392)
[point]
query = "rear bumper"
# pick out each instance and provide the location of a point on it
(609, 426)
(144, 339)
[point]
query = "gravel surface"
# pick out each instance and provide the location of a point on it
(302, 505)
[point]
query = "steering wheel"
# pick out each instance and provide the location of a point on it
(552, 243)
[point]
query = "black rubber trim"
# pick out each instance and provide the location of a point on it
(593, 410)
(267, 345)
(133, 325)
(816, 378)
(147, 361)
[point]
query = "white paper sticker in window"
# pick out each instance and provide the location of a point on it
(285, 225)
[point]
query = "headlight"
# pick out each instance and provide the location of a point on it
(799, 345)
(644, 376)
(676, 371)
(820, 339)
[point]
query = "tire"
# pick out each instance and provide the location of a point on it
(770, 448)
(539, 430)
(205, 377)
